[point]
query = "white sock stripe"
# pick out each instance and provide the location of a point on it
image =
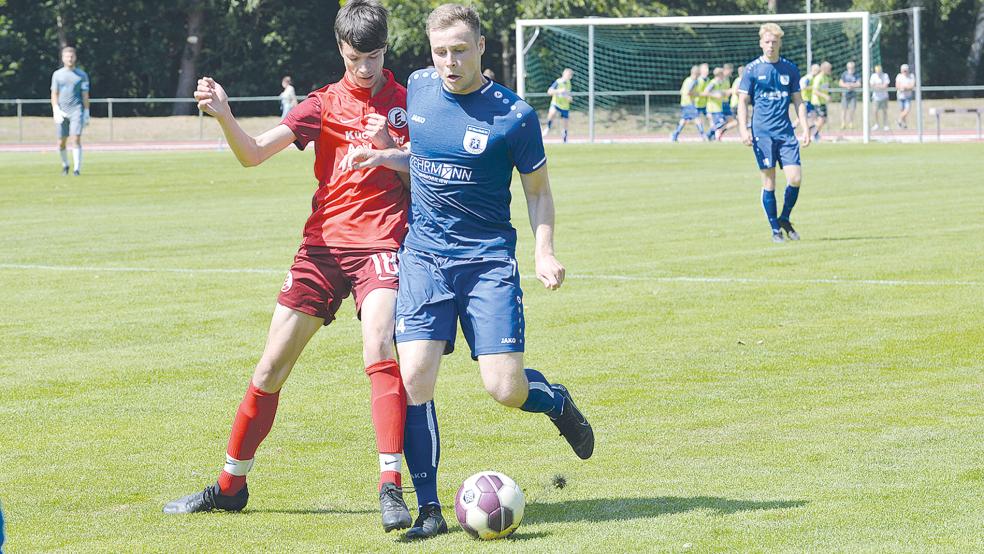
(239, 468)
(433, 432)
(540, 386)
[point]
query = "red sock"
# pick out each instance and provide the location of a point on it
(253, 421)
(389, 412)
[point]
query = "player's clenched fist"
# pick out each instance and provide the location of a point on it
(550, 272)
(377, 129)
(212, 98)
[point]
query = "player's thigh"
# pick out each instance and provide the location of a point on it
(378, 324)
(788, 155)
(290, 331)
(504, 377)
(490, 304)
(425, 307)
(419, 362)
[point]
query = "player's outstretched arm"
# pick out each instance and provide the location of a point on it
(539, 202)
(746, 137)
(250, 151)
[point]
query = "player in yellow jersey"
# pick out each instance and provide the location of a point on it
(560, 102)
(688, 111)
(716, 98)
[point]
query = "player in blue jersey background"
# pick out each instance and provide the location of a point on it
(458, 262)
(769, 84)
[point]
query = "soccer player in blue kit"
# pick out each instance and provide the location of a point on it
(769, 83)
(458, 262)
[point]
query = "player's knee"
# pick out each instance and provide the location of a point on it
(419, 385)
(270, 377)
(507, 392)
(377, 347)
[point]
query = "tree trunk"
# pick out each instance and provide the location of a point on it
(188, 74)
(773, 6)
(507, 60)
(976, 47)
(61, 20)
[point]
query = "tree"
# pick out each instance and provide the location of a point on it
(976, 46)
(187, 73)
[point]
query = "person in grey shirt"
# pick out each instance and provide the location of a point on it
(850, 82)
(70, 107)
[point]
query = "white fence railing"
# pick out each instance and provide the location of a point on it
(646, 103)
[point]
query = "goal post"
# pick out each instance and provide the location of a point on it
(617, 61)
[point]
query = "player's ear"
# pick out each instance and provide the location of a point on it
(481, 45)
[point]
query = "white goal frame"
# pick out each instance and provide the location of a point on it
(592, 22)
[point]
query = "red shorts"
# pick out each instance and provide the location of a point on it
(322, 277)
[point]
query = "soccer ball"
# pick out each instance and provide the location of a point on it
(489, 505)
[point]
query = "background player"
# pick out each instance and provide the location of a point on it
(770, 82)
(821, 96)
(560, 102)
(288, 98)
(458, 261)
(688, 108)
(70, 108)
(715, 93)
(350, 243)
(703, 77)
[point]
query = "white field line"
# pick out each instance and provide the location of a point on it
(593, 277)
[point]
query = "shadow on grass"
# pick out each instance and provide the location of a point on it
(313, 511)
(607, 509)
(833, 239)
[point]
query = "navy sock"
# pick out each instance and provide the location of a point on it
(678, 129)
(789, 200)
(700, 128)
(769, 203)
(542, 398)
(422, 449)
(565, 135)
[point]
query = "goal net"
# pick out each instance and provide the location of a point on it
(628, 71)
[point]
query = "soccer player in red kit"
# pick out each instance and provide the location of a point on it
(350, 242)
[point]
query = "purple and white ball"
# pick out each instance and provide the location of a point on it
(489, 505)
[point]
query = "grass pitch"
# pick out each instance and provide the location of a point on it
(818, 396)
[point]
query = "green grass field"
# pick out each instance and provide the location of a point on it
(822, 396)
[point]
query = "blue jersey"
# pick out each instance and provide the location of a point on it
(69, 84)
(463, 148)
(770, 86)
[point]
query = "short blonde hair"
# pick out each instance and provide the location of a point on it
(770, 28)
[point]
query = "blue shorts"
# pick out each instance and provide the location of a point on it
(717, 120)
(810, 108)
(688, 113)
(564, 114)
(483, 293)
(770, 150)
(726, 110)
(702, 110)
(904, 103)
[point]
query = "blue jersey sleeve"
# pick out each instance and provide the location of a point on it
(746, 83)
(526, 143)
(84, 86)
(54, 81)
(794, 80)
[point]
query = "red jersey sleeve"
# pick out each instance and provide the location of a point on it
(304, 120)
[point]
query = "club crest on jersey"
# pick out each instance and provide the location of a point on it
(784, 80)
(476, 139)
(397, 118)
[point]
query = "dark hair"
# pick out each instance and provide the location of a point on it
(447, 15)
(362, 24)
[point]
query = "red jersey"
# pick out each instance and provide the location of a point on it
(365, 208)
